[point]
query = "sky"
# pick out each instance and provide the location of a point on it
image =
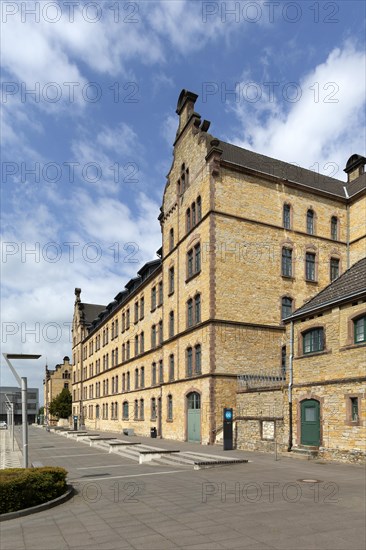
(89, 92)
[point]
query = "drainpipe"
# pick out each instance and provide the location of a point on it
(290, 382)
(348, 228)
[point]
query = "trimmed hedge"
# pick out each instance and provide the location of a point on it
(25, 487)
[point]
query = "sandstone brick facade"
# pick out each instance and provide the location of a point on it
(54, 382)
(218, 301)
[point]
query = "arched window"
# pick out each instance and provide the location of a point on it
(190, 312)
(310, 222)
(197, 308)
(286, 267)
(194, 400)
(136, 410)
(125, 410)
(136, 378)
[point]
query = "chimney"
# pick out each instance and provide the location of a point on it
(185, 108)
(77, 294)
(355, 167)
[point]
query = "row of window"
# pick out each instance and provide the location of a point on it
(313, 340)
(287, 265)
(138, 410)
(310, 222)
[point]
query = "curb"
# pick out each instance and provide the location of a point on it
(40, 507)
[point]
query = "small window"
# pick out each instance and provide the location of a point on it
(310, 266)
(334, 228)
(287, 262)
(197, 308)
(171, 324)
(142, 342)
(153, 298)
(128, 381)
(142, 409)
(197, 258)
(128, 319)
(160, 293)
(313, 340)
(354, 409)
(190, 312)
(142, 377)
(153, 374)
(197, 359)
(136, 378)
(188, 220)
(153, 336)
(193, 210)
(334, 268)
(286, 216)
(170, 407)
(199, 209)
(310, 222)
(189, 362)
(142, 308)
(190, 263)
(171, 367)
(136, 345)
(160, 332)
(286, 307)
(153, 408)
(161, 372)
(283, 361)
(136, 410)
(171, 280)
(171, 239)
(360, 330)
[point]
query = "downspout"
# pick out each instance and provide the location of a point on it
(348, 229)
(290, 382)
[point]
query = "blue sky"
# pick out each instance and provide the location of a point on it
(98, 129)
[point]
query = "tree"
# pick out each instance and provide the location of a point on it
(60, 406)
(41, 411)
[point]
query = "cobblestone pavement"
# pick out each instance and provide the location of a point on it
(264, 504)
(8, 457)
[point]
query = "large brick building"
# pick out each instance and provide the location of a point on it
(246, 240)
(54, 382)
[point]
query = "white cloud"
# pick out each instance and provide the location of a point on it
(326, 125)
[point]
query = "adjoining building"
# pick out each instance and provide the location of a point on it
(13, 395)
(54, 382)
(246, 240)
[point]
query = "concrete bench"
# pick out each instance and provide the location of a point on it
(148, 456)
(128, 431)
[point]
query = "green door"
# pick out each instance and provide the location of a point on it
(194, 416)
(310, 422)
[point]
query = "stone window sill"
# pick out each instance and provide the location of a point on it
(314, 353)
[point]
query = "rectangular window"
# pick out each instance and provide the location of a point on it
(360, 330)
(128, 319)
(313, 340)
(153, 336)
(197, 350)
(197, 258)
(153, 374)
(123, 322)
(354, 409)
(286, 216)
(310, 266)
(170, 407)
(310, 222)
(334, 228)
(142, 308)
(153, 408)
(136, 345)
(136, 312)
(160, 332)
(171, 367)
(190, 313)
(142, 342)
(197, 308)
(153, 298)
(190, 263)
(171, 280)
(160, 293)
(142, 377)
(334, 268)
(189, 362)
(161, 373)
(171, 324)
(287, 262)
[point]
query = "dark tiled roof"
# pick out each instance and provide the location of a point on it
(90, 311)
(284, 170)
(351, 282)
(356, 185)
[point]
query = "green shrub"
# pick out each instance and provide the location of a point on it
(25, 487)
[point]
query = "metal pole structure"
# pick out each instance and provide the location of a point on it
(24, 422)
(23, 384)
(10, 409)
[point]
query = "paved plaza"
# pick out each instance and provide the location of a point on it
(121, 504)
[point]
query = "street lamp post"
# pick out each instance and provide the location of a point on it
(22, 381)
